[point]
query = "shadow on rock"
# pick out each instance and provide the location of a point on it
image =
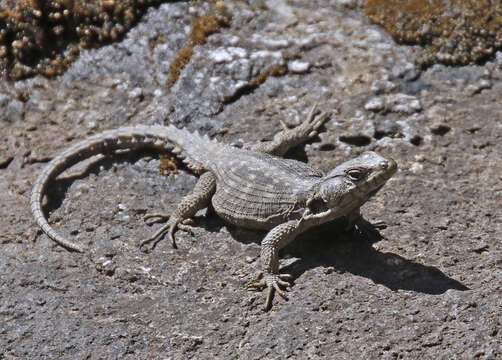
(329, 246)
(352, 252)
(58, 187)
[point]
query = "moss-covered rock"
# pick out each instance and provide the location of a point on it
(44, 37)
(453, 32)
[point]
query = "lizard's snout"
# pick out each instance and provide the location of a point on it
(389, 164)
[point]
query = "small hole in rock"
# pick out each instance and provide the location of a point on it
(357, 140)
(416, 140)
(440, 130)
(379, 134)
(327, 147)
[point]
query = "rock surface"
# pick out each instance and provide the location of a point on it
(430, 288)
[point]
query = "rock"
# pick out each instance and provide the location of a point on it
(432, 276)
(397, 103)
(298, 67)
(11, 110)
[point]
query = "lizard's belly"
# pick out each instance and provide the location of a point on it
(253, 211)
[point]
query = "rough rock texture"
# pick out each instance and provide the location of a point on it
(429, 289)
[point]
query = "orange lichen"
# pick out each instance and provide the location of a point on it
(168, 164)
(183, 58)
(274, 70)
(202, 27)
(253, 83)
(454, 32)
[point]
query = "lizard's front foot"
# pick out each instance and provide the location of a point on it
(173, 223)
(310, 127)
(273, 283)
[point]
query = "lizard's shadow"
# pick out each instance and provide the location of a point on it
(59, 187)
(329, 246)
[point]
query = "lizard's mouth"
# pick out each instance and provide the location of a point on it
(387, 169)
(373, 192)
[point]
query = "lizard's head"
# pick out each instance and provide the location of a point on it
(352, 183)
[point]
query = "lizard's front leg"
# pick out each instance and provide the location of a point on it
(198, 199)
(277, 238)
(356, 221)
(289, 138)
(352, 219)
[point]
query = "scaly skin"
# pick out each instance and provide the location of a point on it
(248, 187)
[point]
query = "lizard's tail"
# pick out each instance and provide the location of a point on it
(193, 149)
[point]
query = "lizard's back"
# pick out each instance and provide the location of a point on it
(257, 190)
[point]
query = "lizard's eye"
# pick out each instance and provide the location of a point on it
(355, 174)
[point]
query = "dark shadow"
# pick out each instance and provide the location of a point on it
(57, 189)
(330, 246)
(298, 152)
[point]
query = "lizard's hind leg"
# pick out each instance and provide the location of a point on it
(198, 199)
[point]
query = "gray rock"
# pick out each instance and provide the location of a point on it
(430, 288)
(11, 110)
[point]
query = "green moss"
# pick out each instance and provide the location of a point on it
(453, 32)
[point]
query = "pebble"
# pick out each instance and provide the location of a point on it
(397, 103)
(298, 67)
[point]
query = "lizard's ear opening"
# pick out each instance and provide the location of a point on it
(332, 190)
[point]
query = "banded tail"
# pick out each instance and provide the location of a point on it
(195, 150)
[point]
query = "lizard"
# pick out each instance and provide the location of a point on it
(250, 186)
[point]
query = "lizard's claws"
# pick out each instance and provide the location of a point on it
(273, 282)
(161, 217)
(309, 127)
(316, 123)
(172, 225)
(313, 123)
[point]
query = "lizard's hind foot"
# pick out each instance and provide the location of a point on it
(172, 225)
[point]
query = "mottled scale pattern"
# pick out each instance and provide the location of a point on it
(258, 190)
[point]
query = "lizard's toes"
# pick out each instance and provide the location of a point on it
(316, 123)
(186, 228)
(258, 283)
(283, 283)
(168, 228)
(321, 119)
(274, 280)
(279, 290)
(274, 283)
(284, 125)
(274, 287)
(184, 225)
(158, 216)
(171, 236)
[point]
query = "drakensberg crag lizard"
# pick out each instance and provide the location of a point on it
(246, 187)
